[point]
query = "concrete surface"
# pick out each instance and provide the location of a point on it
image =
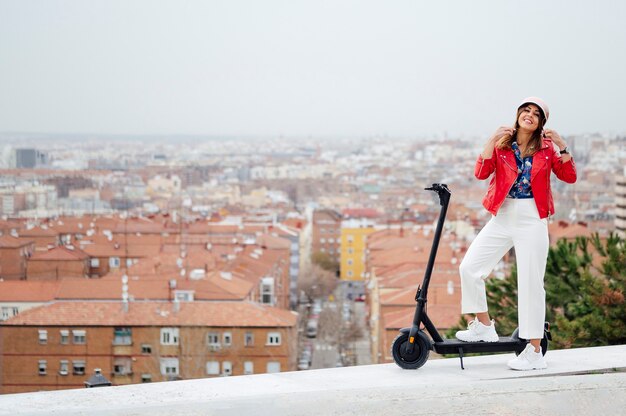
(577, 382)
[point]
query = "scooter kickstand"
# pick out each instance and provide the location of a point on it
(461, 357)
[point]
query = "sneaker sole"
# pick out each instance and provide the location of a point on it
(478, 340)
(528, 369)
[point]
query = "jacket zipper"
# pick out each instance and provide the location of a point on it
(482, 163)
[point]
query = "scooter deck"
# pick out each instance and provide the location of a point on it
(451, 346)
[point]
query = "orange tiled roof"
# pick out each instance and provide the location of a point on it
(361, 213)
(224, 314)
(154, 287)
(28, 291)
(563, 229)
(114, 249)
(60, 253)
(7, 241)
(38, 232)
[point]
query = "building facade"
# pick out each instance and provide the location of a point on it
(150, 341)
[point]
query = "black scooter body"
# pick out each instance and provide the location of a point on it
(411, 347)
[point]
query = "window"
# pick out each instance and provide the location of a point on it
(248, 367)
(228, 339)
(114, 262)
(169, 366)
(273, 338)
(122, 366)
(43, 336)
(146, 378)
(350, 262)
(146, 349)
(350, 238)
(5, 313)
(78, 367)
(79, 337)
(248, 339)
(273, 367)
(323, 250)
(65, 336)
(267, 290)
(350, 250)
(122, 336)
(227, 368)
(169, 336)
(64, 367)
(213, 368)
(43, 367)
(331, 240)
(350, 273)
(95, 262)
(184, 295)
(322, 240)
(213, 340)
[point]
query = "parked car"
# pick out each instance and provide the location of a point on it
(303, 364)
(311, 328)
(317, 307)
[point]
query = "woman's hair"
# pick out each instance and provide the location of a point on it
(535, 140)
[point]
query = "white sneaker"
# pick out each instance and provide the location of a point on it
(528, 360)
(477, 331)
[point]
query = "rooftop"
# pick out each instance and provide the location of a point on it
(577, 382)
(226, 314)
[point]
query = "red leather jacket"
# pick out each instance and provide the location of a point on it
(502, 162)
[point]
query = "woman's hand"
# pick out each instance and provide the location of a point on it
(558, 141)
(493, 140)
(502, 131)
(556, 138)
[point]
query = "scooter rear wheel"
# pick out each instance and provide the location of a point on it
(414, 360)
(544, 342)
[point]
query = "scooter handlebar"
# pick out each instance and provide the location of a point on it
(443, 192)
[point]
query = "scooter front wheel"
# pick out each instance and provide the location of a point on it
(414, 360)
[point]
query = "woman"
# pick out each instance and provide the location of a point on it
(520, 200)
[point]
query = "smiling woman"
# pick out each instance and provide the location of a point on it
(519, 197)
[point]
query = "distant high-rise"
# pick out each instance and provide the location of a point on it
(29, 158)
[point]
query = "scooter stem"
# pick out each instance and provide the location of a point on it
(422, 292)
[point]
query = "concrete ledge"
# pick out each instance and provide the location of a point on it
(578, 381)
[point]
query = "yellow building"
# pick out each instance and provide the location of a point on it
(353, 237)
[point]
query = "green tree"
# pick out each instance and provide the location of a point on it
(584, 293)
(325, 261)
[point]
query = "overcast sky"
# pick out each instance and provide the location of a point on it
(300, 68)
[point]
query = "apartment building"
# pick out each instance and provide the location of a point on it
(58, 346)
(326, 233)
(354, 234)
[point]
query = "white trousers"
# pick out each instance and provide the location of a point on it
(518, 225)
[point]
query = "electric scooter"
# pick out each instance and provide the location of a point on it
(411, 347)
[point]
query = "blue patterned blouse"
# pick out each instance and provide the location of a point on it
(521, 187)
